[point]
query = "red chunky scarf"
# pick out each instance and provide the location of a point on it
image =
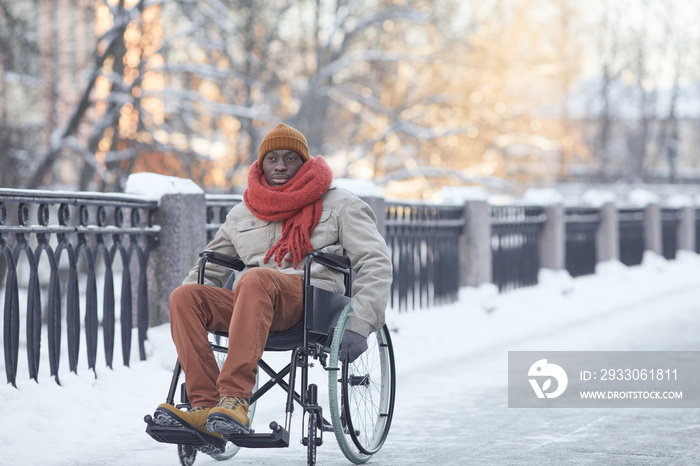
(297, 203)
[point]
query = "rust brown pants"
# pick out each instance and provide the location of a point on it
(265, 300)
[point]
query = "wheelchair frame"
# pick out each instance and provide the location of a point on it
(360, 430)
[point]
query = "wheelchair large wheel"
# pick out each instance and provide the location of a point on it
(231, 448)
(361, 394)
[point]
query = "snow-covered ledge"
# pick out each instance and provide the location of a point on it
(152, 186)
(182, 218)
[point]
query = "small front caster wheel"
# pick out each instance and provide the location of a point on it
(311, 441)
(187, 454)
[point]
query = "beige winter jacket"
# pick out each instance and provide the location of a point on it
(347, 227)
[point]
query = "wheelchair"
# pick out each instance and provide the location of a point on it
(360, 395)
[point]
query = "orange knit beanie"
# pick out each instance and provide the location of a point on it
(283, 137)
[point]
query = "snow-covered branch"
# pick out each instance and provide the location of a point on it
(187, 99)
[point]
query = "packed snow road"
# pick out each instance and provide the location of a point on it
(456, 411)
(452, 392)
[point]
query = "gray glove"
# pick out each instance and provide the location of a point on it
(352, 346)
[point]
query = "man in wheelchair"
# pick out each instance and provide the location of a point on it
(290, 207)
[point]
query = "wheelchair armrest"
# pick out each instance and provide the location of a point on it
(224, 260)
(334, 261)
(217, 258)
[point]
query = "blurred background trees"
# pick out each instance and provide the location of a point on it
(416, 95)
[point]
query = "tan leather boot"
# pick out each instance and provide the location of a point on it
(195, 418)
(230, 416)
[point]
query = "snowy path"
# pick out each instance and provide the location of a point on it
(452, 385)
(477, 427)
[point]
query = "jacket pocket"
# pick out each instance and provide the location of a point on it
(252, 237)
(326, 232)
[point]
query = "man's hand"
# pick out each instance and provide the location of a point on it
(352, 346)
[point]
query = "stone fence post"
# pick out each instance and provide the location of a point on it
(475, 244)
(378, 205)
(553, 238)
(686, 229)
(652, 229)
(608, 234)
(182, 218)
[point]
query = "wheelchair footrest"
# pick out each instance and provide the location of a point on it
(278, 438)
(182, 436)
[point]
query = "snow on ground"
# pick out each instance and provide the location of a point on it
(92, 420)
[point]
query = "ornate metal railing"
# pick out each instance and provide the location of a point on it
(515, 245)
(424, 244)
(581, 225)
(57, 249)
(670, 219)
(631, 228)
(218, 206)
(58, 246)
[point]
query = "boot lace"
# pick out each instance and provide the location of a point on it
(230, 402)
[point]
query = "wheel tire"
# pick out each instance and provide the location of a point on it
(231, 448)
(361, 394)
(187, 454)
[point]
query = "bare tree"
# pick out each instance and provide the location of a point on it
(469, 89)
(677, 42)
(19, 52)
(637, 125)
(301, 62)
(607, 50)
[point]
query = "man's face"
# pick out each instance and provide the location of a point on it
(280, 166)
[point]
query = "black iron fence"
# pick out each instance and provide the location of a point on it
(631, 228)
(515, 245)
(670, 219)
(424, 244)
(56, 248)
(581, 225)
(218, 206)
(73, 265)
